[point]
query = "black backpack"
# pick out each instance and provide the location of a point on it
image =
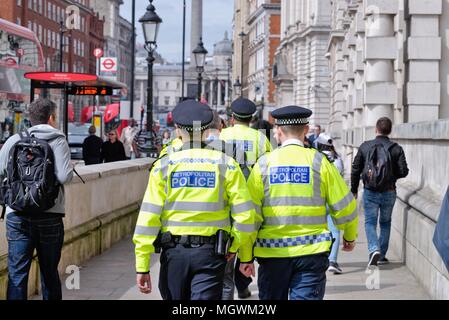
(30, 185)
(378, 172)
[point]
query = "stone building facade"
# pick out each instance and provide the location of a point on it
(301, 69)
(43, 17)
(260, 22)
(390, 58)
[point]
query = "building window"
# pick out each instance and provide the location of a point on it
(167, 85)
(19, 21)
(30, 5)
(40, 6)
(19, 3)
(260, 59)
(167, 101)
(49, 5)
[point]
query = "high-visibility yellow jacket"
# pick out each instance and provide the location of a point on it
(253, 142)
(174, 145)
(290, 188)
(195, 191)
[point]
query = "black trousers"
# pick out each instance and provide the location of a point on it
(191, 273)
(241, 281)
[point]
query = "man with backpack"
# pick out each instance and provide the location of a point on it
(380, 163)
(34, 166)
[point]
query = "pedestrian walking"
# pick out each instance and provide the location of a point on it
(166, 138)
(291, 187)
(250, 145)
(37, 224)
(195, 203)
(325, 145)
(316, 133)
(112, 150)
(127, 138)
(92, 147)
(380, 163)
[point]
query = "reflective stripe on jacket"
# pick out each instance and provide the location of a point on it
(195, 192)
(290, 188)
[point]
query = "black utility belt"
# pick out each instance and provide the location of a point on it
(194, 239)
(221, 241)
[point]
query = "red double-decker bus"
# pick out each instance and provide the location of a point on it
(20, 52)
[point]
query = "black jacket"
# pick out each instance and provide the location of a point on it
(397, 156)
(92, 150)
(111, 152)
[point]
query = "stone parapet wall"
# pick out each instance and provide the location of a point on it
(418, 206)
(98, 214)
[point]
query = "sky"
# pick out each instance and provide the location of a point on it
(217, 18)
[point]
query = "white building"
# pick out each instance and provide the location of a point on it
(390, 58)
(302, 71)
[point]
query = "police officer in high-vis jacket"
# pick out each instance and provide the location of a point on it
(250, 145)
(253, 142)
(196, 199)
(292, 186)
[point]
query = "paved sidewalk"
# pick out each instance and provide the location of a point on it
(111, 277)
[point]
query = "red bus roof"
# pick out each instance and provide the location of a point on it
(24, 33)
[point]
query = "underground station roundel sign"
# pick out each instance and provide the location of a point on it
(60, 76)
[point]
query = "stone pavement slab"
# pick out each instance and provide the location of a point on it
(111, 276)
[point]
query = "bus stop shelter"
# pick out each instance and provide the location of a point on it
(72, 84)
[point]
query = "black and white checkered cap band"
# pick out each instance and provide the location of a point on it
(194, 128)
(286, 122)
(242, 116)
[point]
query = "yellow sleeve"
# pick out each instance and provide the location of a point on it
(256, 191)
(341, 202)
(244, 229)
(149, 220)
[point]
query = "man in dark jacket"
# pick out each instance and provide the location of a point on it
(379, 200)
(92, 148)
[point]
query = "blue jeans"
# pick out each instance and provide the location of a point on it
(378, 206)
(45, 233)
(336, 236)
(301, 278)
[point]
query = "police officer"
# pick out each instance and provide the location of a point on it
(252, 142)
(292, 186)
(195, 198)
(250, 145)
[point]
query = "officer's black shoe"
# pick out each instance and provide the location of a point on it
(383, 261)
(244, 294)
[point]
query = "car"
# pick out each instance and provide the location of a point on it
(76, 135)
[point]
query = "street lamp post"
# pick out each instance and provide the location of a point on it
(229, 62)
(242, 36)
(150, 23)
(237, 88)
(200, 58)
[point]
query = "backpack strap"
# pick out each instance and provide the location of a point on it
(3, 212)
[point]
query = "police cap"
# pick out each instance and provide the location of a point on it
(243, 108)
(291, 115)
(189, 112)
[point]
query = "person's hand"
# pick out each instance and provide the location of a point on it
(229, 256)
(348, 246)
(144, 283)
(247, 269)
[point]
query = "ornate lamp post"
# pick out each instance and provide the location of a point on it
(200, 58)
(237, 88)
(150, 24)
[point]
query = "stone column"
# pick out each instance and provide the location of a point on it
(226, 92)
(219, 101)
(424, 53)
(380, 52)
(211, 94)
(197, 28)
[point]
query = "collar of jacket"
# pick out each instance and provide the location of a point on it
(293, 141)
